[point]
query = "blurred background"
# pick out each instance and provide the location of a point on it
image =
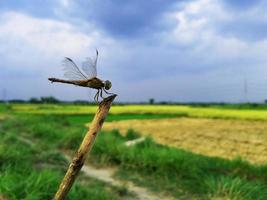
(189, 121)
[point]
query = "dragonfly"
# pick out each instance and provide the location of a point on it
(87, 77)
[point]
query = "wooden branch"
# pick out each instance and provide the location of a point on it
(84, 148)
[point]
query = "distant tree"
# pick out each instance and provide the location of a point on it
(49, 100)
(16, 101)
(151, 101)
(163, 102)
(81, 102)
(34, 100)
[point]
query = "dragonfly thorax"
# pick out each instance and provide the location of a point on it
(107, 84)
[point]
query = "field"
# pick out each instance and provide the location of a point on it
(220, 137)
(191, 153)
(187, 111)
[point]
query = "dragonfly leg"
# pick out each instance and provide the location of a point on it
(106, 91)
(101, 93)
(96, 96)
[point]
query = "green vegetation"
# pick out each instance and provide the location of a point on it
(220, 112)
(242, 106)
(164, 168)
(31, 168)
(32, 164)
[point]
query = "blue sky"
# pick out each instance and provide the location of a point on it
(198, 50)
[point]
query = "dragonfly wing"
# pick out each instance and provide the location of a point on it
(72, 71)
(89, 66)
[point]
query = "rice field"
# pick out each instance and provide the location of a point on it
(187, 111)
(213, 137)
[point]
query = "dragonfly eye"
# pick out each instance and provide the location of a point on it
(107, 84)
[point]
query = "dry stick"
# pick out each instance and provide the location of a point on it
(84, 148)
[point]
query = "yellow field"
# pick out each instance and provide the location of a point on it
(199, 112)
(213, 137)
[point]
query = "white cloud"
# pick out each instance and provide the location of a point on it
(32, 49)
(65, 3)
(26, 40)
(196, 28)
(195, 21)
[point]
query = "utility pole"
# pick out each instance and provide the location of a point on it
(245, 90)
(4, 95)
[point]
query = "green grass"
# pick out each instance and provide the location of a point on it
(235, 188)
(160, 168)
(33, 171)
(83, 119)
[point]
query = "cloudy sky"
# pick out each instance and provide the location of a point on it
(175, 50)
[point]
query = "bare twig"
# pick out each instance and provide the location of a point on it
(84, 148)
(135, 141)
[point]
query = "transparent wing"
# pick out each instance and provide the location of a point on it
(89, 66)
(71, 70)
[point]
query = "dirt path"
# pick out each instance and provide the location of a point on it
(106, 175)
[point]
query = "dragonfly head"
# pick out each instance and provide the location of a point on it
(107, 84)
